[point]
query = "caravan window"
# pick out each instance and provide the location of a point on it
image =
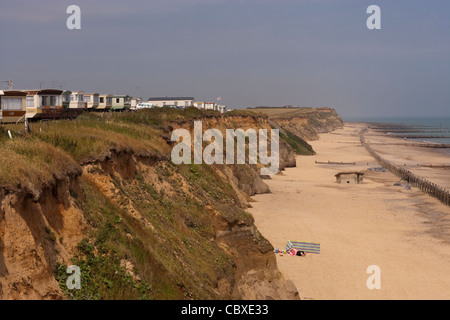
(12, 103)
(50, 101)
(30, 101)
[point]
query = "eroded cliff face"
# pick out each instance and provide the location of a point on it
(140, 227)
(244, 122)
(309, 125)
(36, 233)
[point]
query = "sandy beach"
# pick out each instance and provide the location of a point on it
(403, 232)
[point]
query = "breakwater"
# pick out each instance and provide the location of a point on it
(416, 181)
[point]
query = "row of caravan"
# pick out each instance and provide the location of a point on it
(18, 105)
(45, 104)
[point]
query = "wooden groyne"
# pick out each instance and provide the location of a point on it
(335, 162)
(414, 180)
(436, 166)
(418, 144)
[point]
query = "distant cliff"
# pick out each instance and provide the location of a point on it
(310, 123)
(299, 125)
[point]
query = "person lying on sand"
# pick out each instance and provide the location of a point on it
(294, 252)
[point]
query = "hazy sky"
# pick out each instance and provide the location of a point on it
(250, 52)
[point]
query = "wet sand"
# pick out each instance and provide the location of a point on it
(403, 232)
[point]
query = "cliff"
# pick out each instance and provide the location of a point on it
(100, 192)
(305, 123)
(310, 123)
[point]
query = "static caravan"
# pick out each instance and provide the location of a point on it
(12, 106)
(66, 99)
(121, 102)
(39, 102)
(77, 100)
(49, 104)
(91, 100)
(104, 102)
(134, 102)
(205, 105)
(210, 105)
(178, 102)
(221, 108)
(199, 104)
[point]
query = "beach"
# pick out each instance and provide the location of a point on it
(402, 231)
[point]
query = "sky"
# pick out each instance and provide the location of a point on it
(310, 53)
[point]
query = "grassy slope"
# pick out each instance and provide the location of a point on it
(300, 146)
(297, 143)
(176, 259)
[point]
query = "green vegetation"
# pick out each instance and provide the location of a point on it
(162, 116)
(171, 253)
(297, 144)
(99, 256)
(29, 161)
(284, 113)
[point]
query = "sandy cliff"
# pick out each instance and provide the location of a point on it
(138, 226)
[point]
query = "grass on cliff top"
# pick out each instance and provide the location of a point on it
(52, 145)
(282, 113)
(31, 162)
(90, 136)
(30, 157)
(55, 147)
(162, 116)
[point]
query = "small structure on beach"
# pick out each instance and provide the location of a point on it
(354, 177)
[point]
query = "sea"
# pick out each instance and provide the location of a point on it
(431, 130)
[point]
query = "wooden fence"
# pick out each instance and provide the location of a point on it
(413, 179)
